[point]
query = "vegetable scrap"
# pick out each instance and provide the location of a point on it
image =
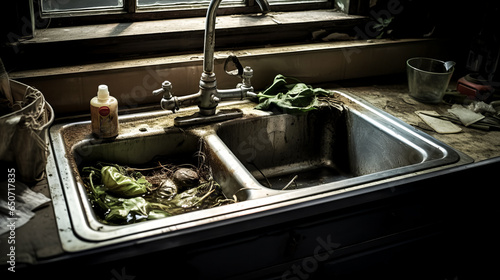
(122, 185)
(123, 195)
(290, 96)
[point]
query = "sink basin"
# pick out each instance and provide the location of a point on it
(328, 145)
(263, 161)
(174, 146)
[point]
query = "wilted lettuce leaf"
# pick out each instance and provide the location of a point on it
(119, 210)
(122, 185)
(125, 209)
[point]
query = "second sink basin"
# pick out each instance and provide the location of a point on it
(328, 145)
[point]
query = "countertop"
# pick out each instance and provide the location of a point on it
(38, 241)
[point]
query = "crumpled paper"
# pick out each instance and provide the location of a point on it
(437, 123)
(17, 204)
(466, 116)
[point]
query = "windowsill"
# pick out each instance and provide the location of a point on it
(107, 42)
(162, 27)
(195, 59)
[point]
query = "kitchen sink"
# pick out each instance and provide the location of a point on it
(263, 161)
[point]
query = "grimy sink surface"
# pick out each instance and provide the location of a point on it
(263, 161)
(328, 145)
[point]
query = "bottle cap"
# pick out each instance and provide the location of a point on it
(103, 92)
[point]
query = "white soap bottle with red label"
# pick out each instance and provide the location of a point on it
(104, 114)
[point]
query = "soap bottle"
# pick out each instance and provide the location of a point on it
(104, 114)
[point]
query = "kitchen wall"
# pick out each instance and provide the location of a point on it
(69, 89)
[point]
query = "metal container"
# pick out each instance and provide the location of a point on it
(427, 79)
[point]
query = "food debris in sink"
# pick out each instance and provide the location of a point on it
(124, 195)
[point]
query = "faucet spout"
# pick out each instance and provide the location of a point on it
(264, 6)
(208, 58)
(208, 51)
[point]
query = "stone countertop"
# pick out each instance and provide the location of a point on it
(38, 240)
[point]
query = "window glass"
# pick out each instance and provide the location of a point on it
(67, 7)
(74, 5)
(151, 3)
(168, 2)
(276, 2)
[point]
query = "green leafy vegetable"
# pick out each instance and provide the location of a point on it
(122, 185)
(290, 95)
(126, 209)
(118, 210)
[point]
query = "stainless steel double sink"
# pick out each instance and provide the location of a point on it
(264, 160)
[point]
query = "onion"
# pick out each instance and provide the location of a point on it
(186, 178)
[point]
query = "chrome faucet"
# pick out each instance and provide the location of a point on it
(208, 97)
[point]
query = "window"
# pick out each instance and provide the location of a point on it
(112, 30)
(54, 6)
(72, 8)
(84, 12)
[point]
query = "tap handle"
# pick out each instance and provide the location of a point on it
(247, 76)
(166, 87)
(232, 66)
